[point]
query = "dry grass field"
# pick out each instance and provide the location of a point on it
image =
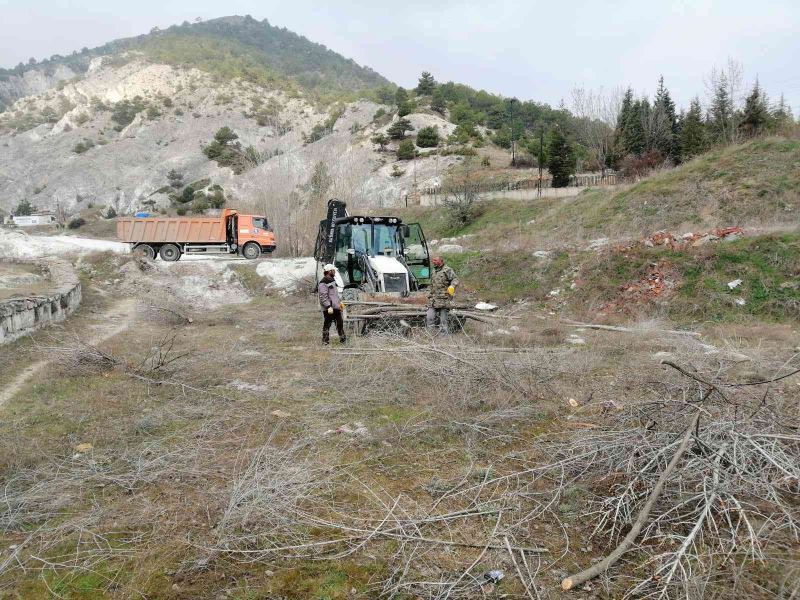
(223, 453)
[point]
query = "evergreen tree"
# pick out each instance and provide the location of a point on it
(401, 100)
(782, 115)
(756, 114)
(693, 137)
(175, 179)
(428, 137)
(438, 102)
(664, 123)
(225, 135)
(721, 112)
(397, 130)
(620, 132)
(400, 96)
(406, 150)
(562, 158)
(426, 84)
(385, 94)
(635, 139)
(24, 209)
(380, 140)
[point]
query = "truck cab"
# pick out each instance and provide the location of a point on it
(253, 230)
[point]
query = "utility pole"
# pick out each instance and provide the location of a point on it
(541, 160)
(513, 154)
(415, 194)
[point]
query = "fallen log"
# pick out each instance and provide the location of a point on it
(601, 567)
(570, 323)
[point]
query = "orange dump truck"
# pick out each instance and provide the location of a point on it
(171, 237)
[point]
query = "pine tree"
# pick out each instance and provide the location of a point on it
(665, 123)
(693, 138)
(782, 115)
(225, 136)
(397, 130)
(428, 137)
(24, 208)
(175, 179)
(562, 158)
(426, 84)
(635, 141)
(401, 100)
(438, 102)
(381, 140)
(620, 132)
(721, 112)
(406, 150)
(756, 114)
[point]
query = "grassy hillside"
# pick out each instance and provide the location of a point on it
(616, 285)
(753, 184)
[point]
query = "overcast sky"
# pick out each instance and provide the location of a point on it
(530, 49)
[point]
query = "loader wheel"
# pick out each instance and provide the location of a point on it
(145, 251)
(169, 252)
(251, 250)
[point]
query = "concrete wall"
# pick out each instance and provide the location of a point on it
(531, 194)
(20, 316)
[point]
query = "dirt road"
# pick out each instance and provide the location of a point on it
(107, 324)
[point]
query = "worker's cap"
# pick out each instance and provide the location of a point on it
(328, 267)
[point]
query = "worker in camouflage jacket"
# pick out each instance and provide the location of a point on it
(440, 294)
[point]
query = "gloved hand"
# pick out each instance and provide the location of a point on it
(330, 310)
(451, 290)
(341, 305)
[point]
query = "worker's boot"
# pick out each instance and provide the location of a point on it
(343, 339)
(326, 338)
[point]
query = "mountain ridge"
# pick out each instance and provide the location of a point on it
(229, 47)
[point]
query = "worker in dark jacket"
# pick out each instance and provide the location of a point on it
(440, 294)
(331, 305)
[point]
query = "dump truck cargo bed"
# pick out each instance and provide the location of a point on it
(172, 229)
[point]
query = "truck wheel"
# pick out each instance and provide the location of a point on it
(169, 252)
(145, 251)
(251, 250)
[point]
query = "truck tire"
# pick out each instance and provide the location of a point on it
(251, 250)
(145, 251)
(169, 252)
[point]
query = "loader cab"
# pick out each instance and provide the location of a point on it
(415, 252)
(380, 252)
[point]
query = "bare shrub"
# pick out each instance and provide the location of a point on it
(462, 192)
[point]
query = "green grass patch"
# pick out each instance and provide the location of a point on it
(769, 267)
(507, 276)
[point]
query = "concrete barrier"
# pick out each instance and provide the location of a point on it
(21, 316)
(524, 195)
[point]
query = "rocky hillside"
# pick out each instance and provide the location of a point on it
(128, 133)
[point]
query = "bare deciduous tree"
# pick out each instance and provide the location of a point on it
(462, 189)
(597, 113)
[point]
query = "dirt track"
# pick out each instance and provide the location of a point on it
(108, 324)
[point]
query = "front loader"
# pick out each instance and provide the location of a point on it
(382, 267)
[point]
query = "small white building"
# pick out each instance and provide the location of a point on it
(42, 218)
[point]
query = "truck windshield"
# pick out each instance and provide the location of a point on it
(372, 239)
